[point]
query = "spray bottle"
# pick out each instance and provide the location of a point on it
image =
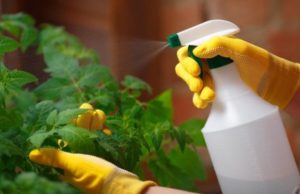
(244, 134)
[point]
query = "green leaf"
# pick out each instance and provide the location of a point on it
(37, 115)
(20, 25)
(79, 139)
(170, 175)
(135, 83)
(193, 129)
(68, 115)
(14, 79)
(20, 78)
(11, 27)
(159, 109)
(29, 35)
(109, 148)
(24, 99)
(31, 183)
(66, 44)
(180, 136)
(38, 138)
(53, 36)
(61, 66)
(10, 119)
(20, 17)
(7, 44)
(52, 118)
(133, 153)
(189, 162)
(159, 131)
(91, 75)
(53, 88)
(105, 99)
(114, 122)
(8, 148)
(67, 103)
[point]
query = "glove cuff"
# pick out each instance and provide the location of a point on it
(126, 184)
(280, 82)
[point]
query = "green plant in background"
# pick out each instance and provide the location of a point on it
(143, 134)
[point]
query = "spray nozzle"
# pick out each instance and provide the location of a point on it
(173, 41)
(198, 34)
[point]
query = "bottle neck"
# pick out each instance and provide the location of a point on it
(228, 84)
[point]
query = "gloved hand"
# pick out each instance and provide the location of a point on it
(189, 70)
(91, 174)
(273, 78)
(92, 119)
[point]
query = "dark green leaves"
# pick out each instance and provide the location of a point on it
(14, 79)
(160, 109)
(142, 132)
(54, 88)
(68, 115)
(159, 131)
(31, 183)
(90, 75)
(36, 116)
(19, 25)
(135, 83)
(59, 65)
(38, 138)
(28, 37)
(178, 169)
(65, 43)
(8, 148)
(19, 78)
(7, 44)
(193, 129)
(10, 119)
(19, 17)
(80, 140)
(189, 162)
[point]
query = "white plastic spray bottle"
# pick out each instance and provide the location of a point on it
(244, 134)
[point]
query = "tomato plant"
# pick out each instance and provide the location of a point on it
(139, 134)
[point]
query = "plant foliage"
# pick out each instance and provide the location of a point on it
(142, 132)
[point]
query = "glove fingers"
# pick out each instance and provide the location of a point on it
(98, 120)
(85, 119)
(191, 66)
(224, 46)
(207, 78)
(182, 53)
(213, 47)
(51, 157)
(207, 94)
(195, 83)
(198, 102)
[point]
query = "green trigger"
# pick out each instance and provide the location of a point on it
(213, 63)
(198, 60)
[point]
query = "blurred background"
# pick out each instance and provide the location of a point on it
(128, 33)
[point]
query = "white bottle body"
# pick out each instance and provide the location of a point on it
(246, 140)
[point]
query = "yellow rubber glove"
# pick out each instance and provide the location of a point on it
(91, 174)
(92, 119)
(273, 78)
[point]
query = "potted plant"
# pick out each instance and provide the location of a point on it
(136, 135)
